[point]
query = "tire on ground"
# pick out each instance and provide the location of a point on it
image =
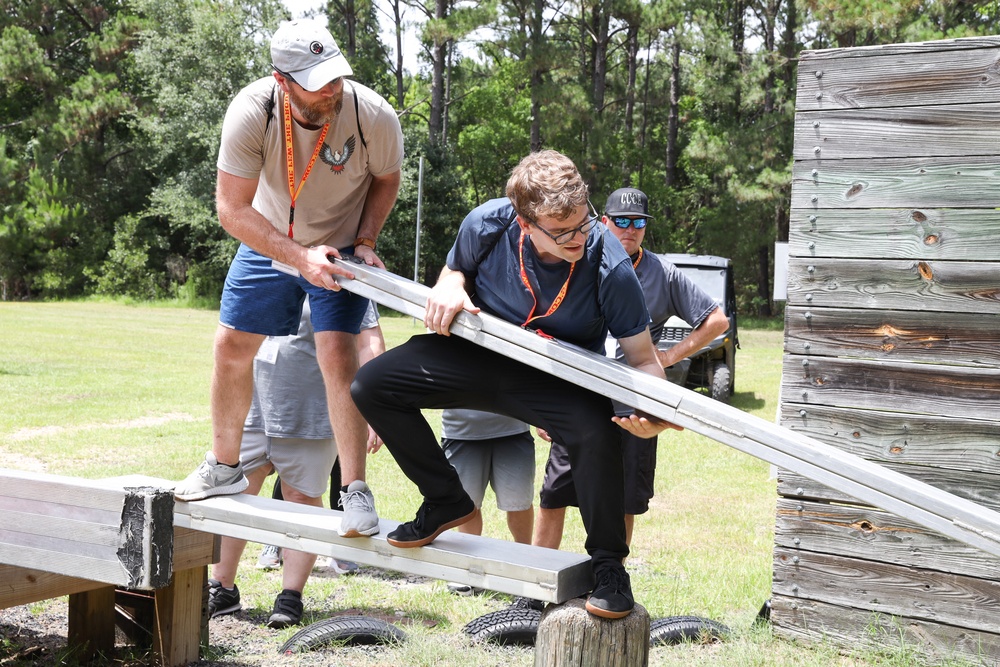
(507, 627)
(721, 380)
(677, 629)
(347, 630)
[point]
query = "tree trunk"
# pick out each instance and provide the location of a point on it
(674, 111)
(536, 75)
(632, 54)
(438, 52)
(764, 281)
(569, 636)
(397, 19)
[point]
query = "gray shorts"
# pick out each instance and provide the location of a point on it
(507, 464)
(302, 463)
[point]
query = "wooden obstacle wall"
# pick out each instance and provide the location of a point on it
(892, 341)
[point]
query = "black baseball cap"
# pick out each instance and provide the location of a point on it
(630, 202)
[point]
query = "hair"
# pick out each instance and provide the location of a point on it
(546, 183)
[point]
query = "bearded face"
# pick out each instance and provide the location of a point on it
(315, 108)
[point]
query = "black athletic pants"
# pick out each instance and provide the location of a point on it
(434, 371)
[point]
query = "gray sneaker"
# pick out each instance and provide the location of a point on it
(270, 558)
(360, 518)
(212, 478)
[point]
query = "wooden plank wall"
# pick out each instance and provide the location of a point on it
(892, 341)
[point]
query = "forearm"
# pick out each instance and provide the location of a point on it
(379, 201)
(710, 328)
(248, 226)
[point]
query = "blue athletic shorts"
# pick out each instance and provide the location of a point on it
(259, 299)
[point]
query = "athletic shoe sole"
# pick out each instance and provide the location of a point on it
(359, 533)
(430, 538)
(605, 613)
(227, 490)
(227, 610)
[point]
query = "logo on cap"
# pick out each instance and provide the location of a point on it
(316, 48)
(631, 198)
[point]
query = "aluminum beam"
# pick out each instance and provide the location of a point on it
(869, 482)
(496, 565)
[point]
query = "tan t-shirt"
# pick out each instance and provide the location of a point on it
(328, 208)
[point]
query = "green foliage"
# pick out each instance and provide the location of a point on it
(493, 118)
(111, 112)
(354, 24)
(442, 208)
(190, 63)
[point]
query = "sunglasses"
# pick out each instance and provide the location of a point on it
(623, 222)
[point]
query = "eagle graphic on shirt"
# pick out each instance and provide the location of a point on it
(337, 159)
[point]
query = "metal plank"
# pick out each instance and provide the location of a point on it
(892, 491)
(498, 565)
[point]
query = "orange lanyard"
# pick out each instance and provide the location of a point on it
(637, 259)
(290, 163)
(524, 279)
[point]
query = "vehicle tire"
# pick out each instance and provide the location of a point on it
(721, 382)
(347, 630)
(677, 629)
(507, 627)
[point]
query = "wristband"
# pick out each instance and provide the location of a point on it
(361, 240)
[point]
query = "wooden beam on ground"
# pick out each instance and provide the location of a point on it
(91, 529)
(497, 565)
(919, 502)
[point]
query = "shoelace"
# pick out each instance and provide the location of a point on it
(357, 496)
(614, 577)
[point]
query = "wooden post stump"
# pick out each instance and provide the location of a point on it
(569, 636)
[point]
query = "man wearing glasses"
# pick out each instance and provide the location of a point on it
(309, 166)
(537, 258)
(668, 292)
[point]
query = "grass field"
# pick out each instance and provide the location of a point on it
(99, 389)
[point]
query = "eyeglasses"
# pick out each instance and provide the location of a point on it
(565, 237)
(623, 222)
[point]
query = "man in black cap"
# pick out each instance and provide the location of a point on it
(667, 292)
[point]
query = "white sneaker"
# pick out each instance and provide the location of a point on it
(342, 567)
(338, 567)
(212, 478)
(270, 558)
(360, 518)
(464, 590)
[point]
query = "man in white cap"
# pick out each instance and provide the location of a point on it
(309, 166)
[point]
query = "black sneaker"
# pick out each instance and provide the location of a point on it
(222, 600)
(612, 596)
(431, 521)
(287, 610)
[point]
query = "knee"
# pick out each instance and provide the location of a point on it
(365, 382)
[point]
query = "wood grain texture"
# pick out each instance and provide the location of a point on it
(893, 284)
(898, 132)
(896, 233)
(900, 75)
(569, 636)
(862, 629)
(872, 534)
(919, 336)
(931, 389)
(888, 589)
(913, 182)
(980, 488)
(902, 439)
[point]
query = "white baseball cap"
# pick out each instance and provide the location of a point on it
(307, 52)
